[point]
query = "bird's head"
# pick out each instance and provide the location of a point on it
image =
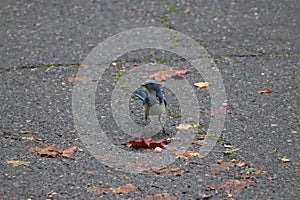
(151, 84)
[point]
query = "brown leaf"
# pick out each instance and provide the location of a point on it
(241, 164)
(51, 193)
(163, 196)
(231, 186)
(204, 195)
(69, 152)
(124, 189)
(267, 91)
(98, 189)
(52, 151)
(28, 138)
(198, 142)
(165, 74)
(285, 160)
(185, 154)
(169, 172)
(79, 79)
(146, 143)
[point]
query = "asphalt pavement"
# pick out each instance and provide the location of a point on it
(254, 44)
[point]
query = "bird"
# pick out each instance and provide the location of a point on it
(154, 102)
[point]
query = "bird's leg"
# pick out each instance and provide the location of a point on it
(163, 128)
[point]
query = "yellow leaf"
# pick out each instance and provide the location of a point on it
(184, 126)
(16, 163)
(202, 84)
(284, 159)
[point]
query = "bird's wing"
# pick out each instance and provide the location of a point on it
(142, 95)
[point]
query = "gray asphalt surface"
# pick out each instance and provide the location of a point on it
(255, 45)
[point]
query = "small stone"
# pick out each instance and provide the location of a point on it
(158, 150)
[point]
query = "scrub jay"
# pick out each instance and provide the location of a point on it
(153, 100)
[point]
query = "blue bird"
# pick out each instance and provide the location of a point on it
(153, 100)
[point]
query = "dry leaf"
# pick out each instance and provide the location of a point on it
(241, 164)
(184, 126)
(185, 154)
(163, 196)
(69, 152)
(169, 172)
(228, 146)
(28, 138)
(198, 142)
(146, 143)
(124, 189)
(51, 193)
(165, 74)
(53, 151)
(267, 91)
(98, 189)
(16, 163)
(284, 159)
(231, 186)
(202, 84)
(204, 195)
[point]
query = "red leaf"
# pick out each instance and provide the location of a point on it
(165, 74)
(146, 143)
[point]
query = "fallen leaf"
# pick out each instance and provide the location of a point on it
(168, 171)
(163, 196)
(220, 162)
(228, 146)
(241, 164)
(231, 186)
(28, 138)
(51, 193)
(204, 195)
(16, 163)
(52, 151)
(198, 142)
(124, 189)
(79, 79)
(68, 152)
(165, 74)
(285, 160)
(202, 84)
(99, 190)
(146, 143)
(27, 132)
(185, 154)
(267, 91)
(184, 126)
